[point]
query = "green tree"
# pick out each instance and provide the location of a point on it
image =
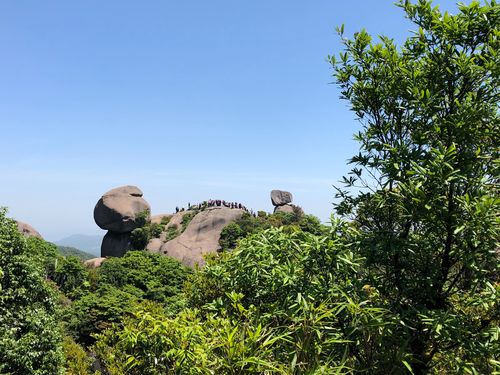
(145, 275)
(307, 289)
(30, 341)
(71, 276)
(96, 311)
(230, 235)
(116, 287)
(429, 143)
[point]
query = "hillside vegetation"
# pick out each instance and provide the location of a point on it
(72, 251)
(403, 280)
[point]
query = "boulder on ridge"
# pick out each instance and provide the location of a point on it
(27, 230)
(122, 209)
(281, 197)
(201, 235)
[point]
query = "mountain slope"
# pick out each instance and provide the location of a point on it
(71, 251)
(87, 243)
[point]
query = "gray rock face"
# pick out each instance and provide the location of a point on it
(115, 244)
(154, 245)
(28, 230)
(288, 208)
(118, 210)
(281, 197)
(201, 235)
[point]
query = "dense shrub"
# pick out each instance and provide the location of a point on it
(151, 343)
(78, 361)
(71, 276)
(248, 224)
(229, 236)
(306, 287)
(145, 275)
(30, 339)
(121, 283)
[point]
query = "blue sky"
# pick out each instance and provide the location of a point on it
(189, 100)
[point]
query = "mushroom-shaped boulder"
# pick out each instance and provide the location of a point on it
(121, 210)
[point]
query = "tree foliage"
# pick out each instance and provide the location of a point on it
(428, 216)
(30, 340)
(115, 288)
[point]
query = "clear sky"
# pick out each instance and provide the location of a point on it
(189, 100)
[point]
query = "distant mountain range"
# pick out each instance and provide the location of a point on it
(87, 243)
(71, 251)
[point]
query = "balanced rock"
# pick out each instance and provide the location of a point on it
(28, 230)
(115, 244)
(120, 210)
(280, 197)
(201, 235)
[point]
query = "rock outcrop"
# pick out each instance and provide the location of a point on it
(201, 235)
(282, 202)
(28, 230)
(115, 244)
(154, 245)
(120, 211)
(281, 197)
(288, 208)
(94, 262)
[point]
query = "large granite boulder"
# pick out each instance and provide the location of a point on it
(120, 210)
(115, 244)
(281, 197)
(154, 245)
(28, 230)
(201, 235)
(174, 226)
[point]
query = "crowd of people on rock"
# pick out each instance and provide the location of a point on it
(223, 203)
(215, 203)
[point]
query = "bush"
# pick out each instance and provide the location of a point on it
(145, 275)
(172, 232)
(229, 236)
(78, 362)
(72, 277)
(30, 340)
(165, 220)
(140, 237)
(118, 285)
(151, 343)
(305, 287)
(96, 311)
(186, 219)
